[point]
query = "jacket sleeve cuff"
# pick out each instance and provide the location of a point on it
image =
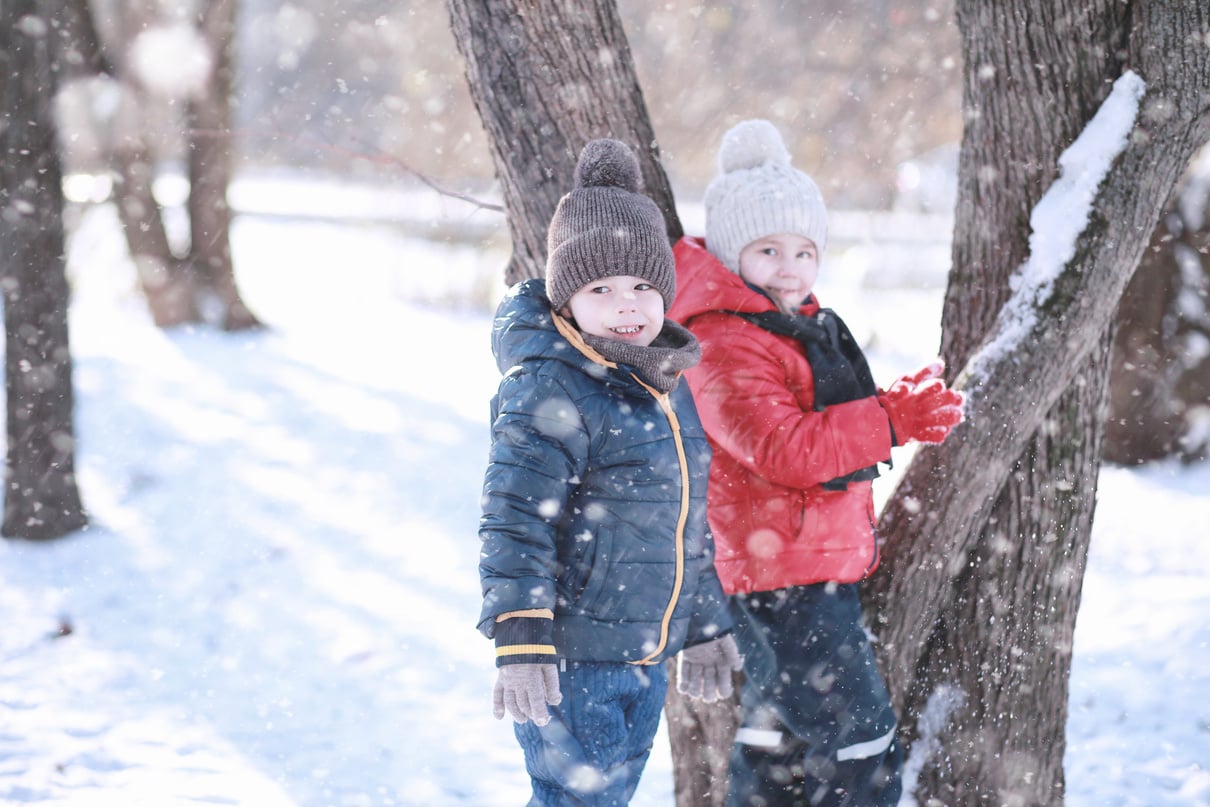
(700, 640)
(524, 639)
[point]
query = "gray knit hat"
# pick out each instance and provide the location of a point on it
(758, 193)
(606, 227)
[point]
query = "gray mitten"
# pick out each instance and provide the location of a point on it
(706, 669)
(525, 690)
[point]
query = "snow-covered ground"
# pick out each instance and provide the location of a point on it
(275, 602)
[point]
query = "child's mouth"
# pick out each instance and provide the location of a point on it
(627, 330)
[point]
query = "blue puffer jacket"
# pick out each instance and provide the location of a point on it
(594, 501)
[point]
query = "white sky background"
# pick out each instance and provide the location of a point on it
(276, 602)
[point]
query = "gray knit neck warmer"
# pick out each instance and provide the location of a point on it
(660, 363)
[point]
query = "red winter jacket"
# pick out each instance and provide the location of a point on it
(774, 524)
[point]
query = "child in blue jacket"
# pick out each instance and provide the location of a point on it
(596, 563)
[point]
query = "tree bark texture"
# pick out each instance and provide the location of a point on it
(546, 77)
(987, 535)
(701, 736)
(41, 498)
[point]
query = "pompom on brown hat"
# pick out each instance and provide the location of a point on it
(605, 226)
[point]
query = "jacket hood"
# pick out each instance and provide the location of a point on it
(704, 284)
(524, 328)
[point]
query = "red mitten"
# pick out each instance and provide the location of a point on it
(922, 408)
(908, 383)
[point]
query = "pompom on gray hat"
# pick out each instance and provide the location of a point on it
(758, 193)
(605, 226)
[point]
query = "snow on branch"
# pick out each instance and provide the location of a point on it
(1059, 218)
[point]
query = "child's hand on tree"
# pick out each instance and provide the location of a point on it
(921, 407)
(525, 690)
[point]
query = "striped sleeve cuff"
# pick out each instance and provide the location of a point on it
(525, 637)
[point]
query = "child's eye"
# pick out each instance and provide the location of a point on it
(770, 251)
(643, 287)
(600, 290)
(806, 254)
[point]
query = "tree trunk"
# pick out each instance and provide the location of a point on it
(41, 498)
(1019, 588)
(167, 281)
(210, 174)
(198, 282)
(546, 77)
(987, 535)
(1159, 394)
(79, 44)
(701, 736)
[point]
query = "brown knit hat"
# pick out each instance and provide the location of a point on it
(605, 226)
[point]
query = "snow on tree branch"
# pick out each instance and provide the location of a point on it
(1059, 218)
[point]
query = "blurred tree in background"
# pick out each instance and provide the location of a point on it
(1159, 392)
(41, 497)
(858, 88)
(154, 89)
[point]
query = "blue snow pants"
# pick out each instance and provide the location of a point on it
(818, 728)
(594, 749)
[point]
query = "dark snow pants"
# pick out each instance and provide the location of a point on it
(818, 728)
(596, 745)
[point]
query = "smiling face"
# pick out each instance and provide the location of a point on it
(621, 307)
(784, 265)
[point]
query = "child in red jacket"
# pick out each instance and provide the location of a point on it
(798, 427)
